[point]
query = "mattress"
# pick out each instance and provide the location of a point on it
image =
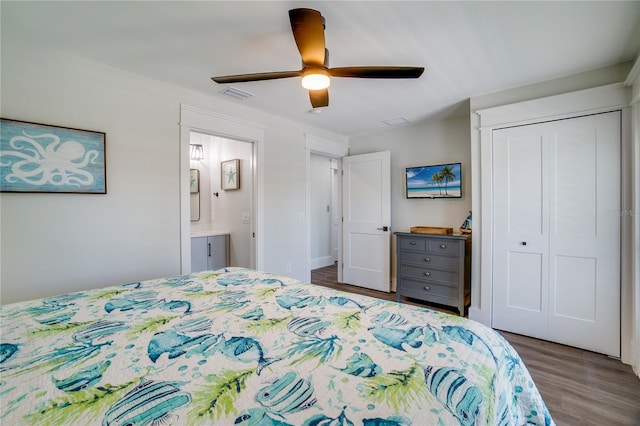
(242, 347)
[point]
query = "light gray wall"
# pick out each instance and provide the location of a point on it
(444, 141)
(57, 243)
(634, 79)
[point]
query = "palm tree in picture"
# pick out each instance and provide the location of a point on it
(437, 178)
(447, 176)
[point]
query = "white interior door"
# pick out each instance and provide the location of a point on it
(335, 209)
(366, 192)
(556, 231)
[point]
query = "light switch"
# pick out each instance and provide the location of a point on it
(246, 218)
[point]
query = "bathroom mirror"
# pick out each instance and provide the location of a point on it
(194, 185)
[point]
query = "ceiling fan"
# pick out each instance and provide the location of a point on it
(308, 31)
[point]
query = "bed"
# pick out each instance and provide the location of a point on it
(241, 347)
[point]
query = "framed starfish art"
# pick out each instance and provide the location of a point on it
(230, 174)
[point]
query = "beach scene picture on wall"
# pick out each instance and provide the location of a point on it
(434, 181)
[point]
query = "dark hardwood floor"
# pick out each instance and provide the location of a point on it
(580, 388)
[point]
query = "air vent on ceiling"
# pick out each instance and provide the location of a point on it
(237, 94)
(395, 121)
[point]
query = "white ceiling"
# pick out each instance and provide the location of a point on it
(467, 48)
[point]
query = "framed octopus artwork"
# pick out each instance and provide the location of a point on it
(43, 158)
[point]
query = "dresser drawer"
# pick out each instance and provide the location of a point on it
(429, 274)
(444, 246)
(433, 268)
(429, 291)
(431, 260)
(414, 244)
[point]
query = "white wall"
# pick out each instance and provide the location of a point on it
(284, 198)
(321, 224)
(55, 243)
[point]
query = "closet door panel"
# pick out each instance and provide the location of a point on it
(520, 239)
(584, 246)
(556, 231)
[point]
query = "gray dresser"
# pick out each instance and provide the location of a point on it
(434, 268)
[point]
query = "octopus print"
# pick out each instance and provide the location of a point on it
(35, 157)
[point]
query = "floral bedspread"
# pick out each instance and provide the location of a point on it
(241, 347)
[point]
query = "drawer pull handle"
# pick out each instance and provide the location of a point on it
(443, 246)
(427, 259)
(413, 243)
(427, 288)
(427, 274)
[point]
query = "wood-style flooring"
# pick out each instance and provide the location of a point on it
(580, 388)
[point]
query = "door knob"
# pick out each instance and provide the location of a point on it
(384, 228)
(524, 243)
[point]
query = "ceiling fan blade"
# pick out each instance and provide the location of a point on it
(241, 78)
(308, 31)
(319, 98)
(377, 72)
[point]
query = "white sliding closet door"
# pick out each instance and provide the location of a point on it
(557, 232)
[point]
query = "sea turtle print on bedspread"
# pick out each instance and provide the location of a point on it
(240, 347)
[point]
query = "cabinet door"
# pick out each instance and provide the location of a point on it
(217, 252)
(199, 258)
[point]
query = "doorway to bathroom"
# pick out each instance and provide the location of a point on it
(224, 200)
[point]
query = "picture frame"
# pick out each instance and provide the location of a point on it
(38, 157)
(434, 181)
(194, 181)
(230, 174)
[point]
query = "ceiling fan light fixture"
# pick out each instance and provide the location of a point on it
(317, 79)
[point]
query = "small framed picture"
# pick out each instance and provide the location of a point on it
(230, 174)
(194, 181)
